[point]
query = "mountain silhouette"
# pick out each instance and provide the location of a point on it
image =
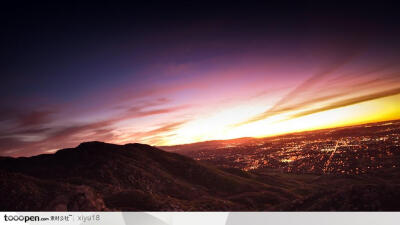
(97, 176)
(101, 176)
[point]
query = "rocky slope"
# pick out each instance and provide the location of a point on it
(100, 176)
(97, 176)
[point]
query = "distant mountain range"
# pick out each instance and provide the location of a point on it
(336, 132)
(98, 176)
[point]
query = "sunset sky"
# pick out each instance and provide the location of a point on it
(166, 75)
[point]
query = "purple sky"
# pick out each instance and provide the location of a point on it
(181, 78)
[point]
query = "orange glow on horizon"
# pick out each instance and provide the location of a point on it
(219, 126)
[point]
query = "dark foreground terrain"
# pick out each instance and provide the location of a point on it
(134, 177)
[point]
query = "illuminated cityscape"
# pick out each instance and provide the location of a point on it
(351, 150)
(237, 106)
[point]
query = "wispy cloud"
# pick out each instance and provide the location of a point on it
(158, 135)
(32, 133)
(35, 118)
(313, 95)
(349, 101)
